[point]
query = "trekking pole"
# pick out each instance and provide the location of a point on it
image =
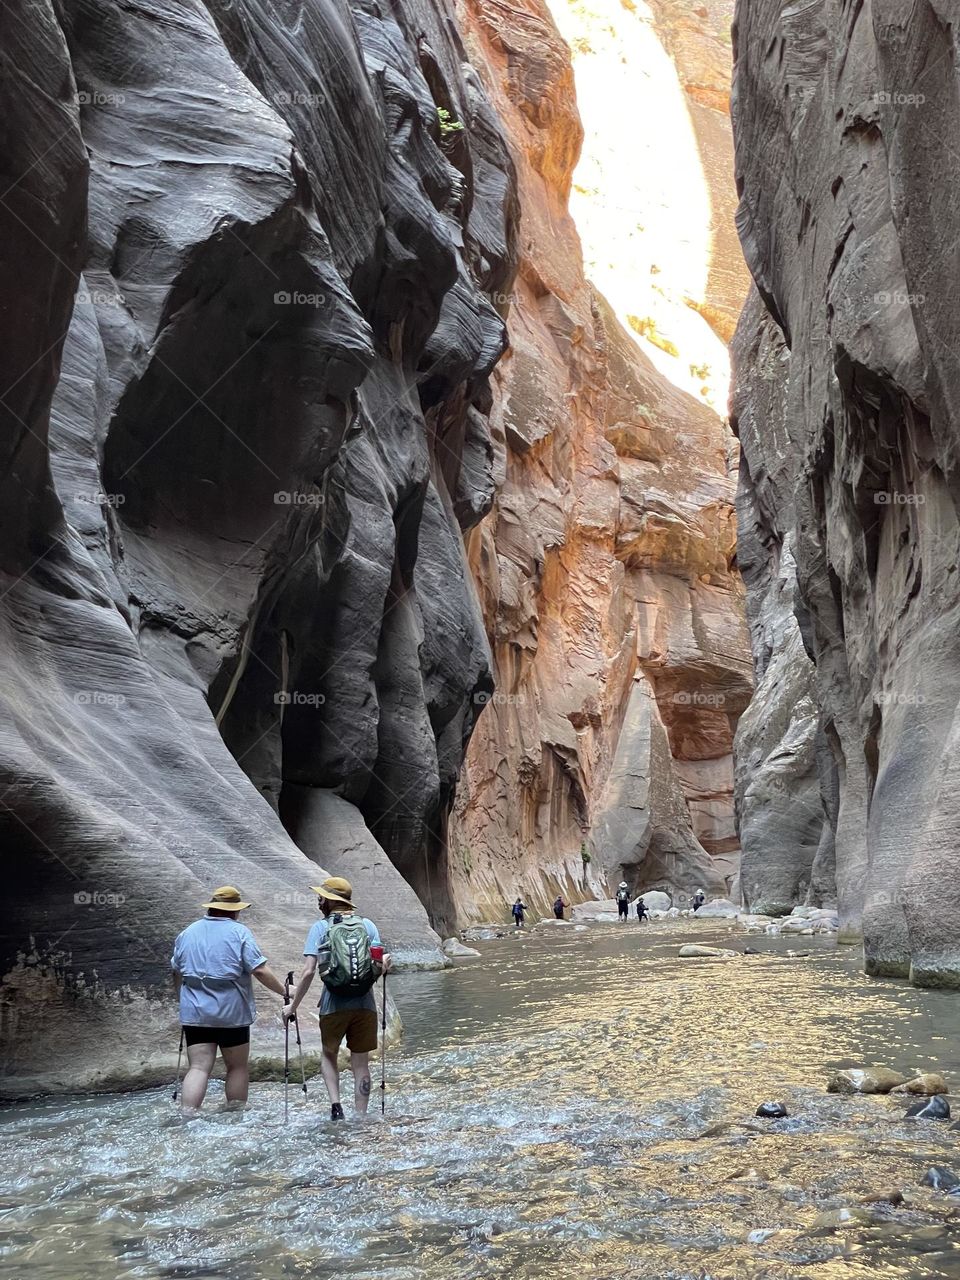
(286, 1053)
(383, 1051)
(176, 1087)
(296, 1024)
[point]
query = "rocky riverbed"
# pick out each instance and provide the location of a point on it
(576, 1101)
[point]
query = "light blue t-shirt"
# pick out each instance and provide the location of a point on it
(215, 957)
(316, 945)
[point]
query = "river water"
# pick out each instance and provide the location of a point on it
(574, 1104)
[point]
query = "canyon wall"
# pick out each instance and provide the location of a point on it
(606, 567)
(847, 410)
(285, 522)
(251, 255)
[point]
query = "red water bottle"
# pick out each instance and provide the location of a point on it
(376, 955)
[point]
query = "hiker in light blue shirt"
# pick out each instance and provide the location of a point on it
(214, 961)
(353, 1016)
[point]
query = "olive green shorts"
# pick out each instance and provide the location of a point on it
(358, 1025)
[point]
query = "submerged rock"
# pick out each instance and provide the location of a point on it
(482, 933)
(865, 1080)
(692, 950)
(454, 947)
(772, 1111)
(926, 1084)
(935, 1108)
(836, 1219)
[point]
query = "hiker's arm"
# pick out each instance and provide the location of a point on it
(303, 984)
(268, 978)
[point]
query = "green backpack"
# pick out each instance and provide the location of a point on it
(351, 971)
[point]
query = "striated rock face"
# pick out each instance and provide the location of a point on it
(847, 410)
(251, 281)
(606, 567)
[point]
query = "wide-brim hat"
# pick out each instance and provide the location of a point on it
(226, 898)
(335, 889)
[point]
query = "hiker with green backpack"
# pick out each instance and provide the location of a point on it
(347, 949)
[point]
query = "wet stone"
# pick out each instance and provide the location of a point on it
(772, 1111)
(935, 1108)
(865, 1080)
(940, 1178)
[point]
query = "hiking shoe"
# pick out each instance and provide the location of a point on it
(336, 1111)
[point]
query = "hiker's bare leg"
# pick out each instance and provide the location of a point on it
(331, 1074)
(200, 1059)
(360, 1065)
(237, 1061)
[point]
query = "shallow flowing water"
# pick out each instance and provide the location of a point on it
(575, 1104)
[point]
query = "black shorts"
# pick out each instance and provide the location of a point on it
(623, 908)
(222, 1037)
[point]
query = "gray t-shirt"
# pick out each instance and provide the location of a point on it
(317, 945)
(215, 957)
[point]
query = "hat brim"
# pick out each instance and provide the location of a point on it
(225, 906)
(321, 892)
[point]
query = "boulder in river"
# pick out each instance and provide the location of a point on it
(693, 949)
(603, 911)
(926, 1084)
(455, 948)
(865, 1080)
(657, 900)
(941, 1179)
(718, 909)
(935, 1108)
(772, 1111)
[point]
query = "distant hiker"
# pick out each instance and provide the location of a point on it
(347, 949)
(558, 907)
(213, 961)
(519, 907)
(698, 899)
(623, 901)
(642, 913)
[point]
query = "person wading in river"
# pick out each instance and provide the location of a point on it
(213, 962)
(623, 901)
(517, 910)
(342, 943)
(559, 906)
(642, 913)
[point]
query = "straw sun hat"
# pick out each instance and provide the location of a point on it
(335, 889)
(226, 898)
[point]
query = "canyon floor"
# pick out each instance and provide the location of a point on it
(571, 1103)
